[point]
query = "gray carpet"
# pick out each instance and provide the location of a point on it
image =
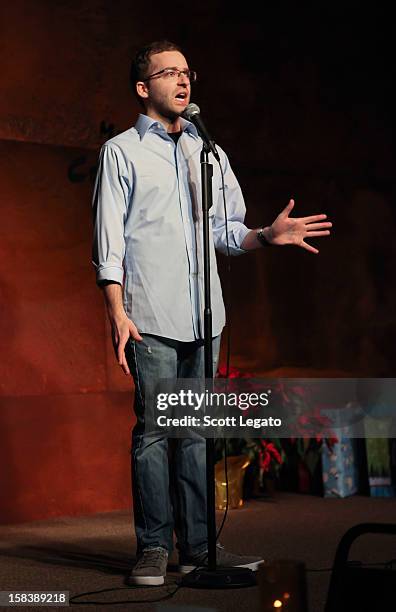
(95, 552)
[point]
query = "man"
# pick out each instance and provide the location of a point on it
(148, 259)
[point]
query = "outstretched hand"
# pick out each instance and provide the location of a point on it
(287, 230)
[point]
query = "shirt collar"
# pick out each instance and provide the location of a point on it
(146, 124)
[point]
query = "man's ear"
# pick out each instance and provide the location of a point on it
(142, 89)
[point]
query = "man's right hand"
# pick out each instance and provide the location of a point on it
(122, 328)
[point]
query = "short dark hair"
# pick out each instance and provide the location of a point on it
(141, 61)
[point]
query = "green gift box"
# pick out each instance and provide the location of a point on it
(379, 467)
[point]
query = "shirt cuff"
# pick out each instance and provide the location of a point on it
(110, 273)
(242, 233)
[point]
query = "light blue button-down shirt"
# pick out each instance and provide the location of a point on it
(148, 227)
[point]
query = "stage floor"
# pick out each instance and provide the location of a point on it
(94, 552)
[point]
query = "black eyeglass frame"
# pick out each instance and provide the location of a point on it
(191, 75)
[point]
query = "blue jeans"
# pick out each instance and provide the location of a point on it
(167, 500)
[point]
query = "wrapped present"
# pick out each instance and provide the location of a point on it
(379, 467)
(340, 470)
(379, 451)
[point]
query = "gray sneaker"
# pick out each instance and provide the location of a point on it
(223, 558)
(150, 568)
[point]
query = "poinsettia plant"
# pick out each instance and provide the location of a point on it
(309, 445)
(270, 454)
(266, 453)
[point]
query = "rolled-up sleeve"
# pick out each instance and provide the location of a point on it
(236, 211)
(110, 206)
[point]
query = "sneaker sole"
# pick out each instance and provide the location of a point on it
(146, 580)
(185, 569)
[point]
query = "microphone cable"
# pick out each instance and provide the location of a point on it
(228, 341)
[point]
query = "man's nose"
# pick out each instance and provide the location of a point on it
(183, 79)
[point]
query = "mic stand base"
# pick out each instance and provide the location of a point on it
(220, 578)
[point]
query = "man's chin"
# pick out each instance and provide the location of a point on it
(172, 113)
(179, 109)
(175, 113)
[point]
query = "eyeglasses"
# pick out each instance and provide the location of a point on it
(173, 73)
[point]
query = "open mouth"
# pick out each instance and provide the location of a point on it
(181, 96)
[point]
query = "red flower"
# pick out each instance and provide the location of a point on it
(233, 373)
(268, 453)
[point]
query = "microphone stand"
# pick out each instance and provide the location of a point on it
(214, 576)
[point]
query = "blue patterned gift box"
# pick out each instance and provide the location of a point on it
(339, 468)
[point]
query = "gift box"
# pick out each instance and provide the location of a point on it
(340, 470)
(379, 466)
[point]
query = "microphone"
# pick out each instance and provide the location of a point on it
(192, 113)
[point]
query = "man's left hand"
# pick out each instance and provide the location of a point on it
(287, 230)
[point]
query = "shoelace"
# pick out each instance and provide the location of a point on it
(204, 555)
(150, 556)
(218, 545)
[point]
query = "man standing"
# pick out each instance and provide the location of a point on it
(148, 258)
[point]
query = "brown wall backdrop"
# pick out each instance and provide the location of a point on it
(302, 101)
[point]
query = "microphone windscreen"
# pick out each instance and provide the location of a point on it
(190, 110)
